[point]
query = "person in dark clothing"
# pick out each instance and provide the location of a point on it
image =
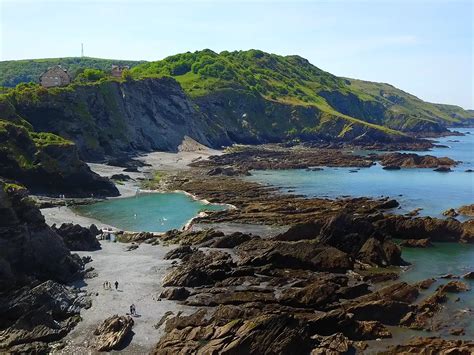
(116, 285)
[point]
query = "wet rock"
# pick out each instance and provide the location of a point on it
(443, 169)
(411, 160)
(113, 332)
(121, 177)
(450, 213)
(469, 275)
(391, 167)
(131, 237)
(425, 284)
(232, 240)
(177, 293)
(227, 171)
(457, 331)
(78, 238)
(433, 345)
(449, 276)
(384, 311)
(467, 210)
(301, 231)
(454, 286)
(380, 253)
(179, 252)
(381, 277)
(437, 230)
(416, 243)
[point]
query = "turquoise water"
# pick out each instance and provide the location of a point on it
(442, 259)
(413, 188)
(149, 212)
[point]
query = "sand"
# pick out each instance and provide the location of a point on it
(162, 161)
(139, 273)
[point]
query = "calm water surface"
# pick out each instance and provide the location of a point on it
(150, 212)
(413, 188)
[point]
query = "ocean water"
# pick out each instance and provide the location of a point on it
(432, 191)
(150, 212)
(442, 259)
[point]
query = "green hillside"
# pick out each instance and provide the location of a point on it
(13, 72)
(294, 80)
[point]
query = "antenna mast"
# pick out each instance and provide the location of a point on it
(82, 49)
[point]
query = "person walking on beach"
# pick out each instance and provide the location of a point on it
(116, 285)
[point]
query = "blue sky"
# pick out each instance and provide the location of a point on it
(423, 47)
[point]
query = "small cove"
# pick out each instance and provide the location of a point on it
(149, 212)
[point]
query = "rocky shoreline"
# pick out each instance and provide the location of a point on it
(327, 283)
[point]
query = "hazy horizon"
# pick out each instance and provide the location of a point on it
(421, 47)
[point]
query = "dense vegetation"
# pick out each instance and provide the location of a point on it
(13, 72)
(293, 80)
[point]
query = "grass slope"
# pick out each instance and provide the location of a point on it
(294, 80)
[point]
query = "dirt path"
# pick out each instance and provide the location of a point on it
(139, 273)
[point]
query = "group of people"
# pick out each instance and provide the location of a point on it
(133, 310)
(108, 286)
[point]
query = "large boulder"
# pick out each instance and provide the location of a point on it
(113, 332)
(78, 238)
(437, 230)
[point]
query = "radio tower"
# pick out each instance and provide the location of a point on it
(82, 49)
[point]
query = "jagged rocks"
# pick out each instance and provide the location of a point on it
(380, 253)
(78, 238)
(411, 160)
(467, 210)
(264, 334)
(32, 317)
(176, 293)
(437, 230)
(29, 249)
(294, 255)
(179, 252)
(232, 240)
(200, 269)
(113, 332)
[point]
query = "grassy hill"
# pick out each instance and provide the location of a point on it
(13, 72)
(294, 80)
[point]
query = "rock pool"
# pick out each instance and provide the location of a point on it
(150, 212)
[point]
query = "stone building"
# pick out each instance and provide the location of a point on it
(55, 76)
(117, 70)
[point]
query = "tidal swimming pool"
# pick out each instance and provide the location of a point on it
(148, 212)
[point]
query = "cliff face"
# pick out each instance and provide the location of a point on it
(29, 249)
(112, 118)
(36, 308)
(46, 163)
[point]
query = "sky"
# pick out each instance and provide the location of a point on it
(424, 47)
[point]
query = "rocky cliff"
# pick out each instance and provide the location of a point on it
(35, 306)
(111, 118)
(46, 163)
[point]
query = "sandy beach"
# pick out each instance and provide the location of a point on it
(139, 273)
